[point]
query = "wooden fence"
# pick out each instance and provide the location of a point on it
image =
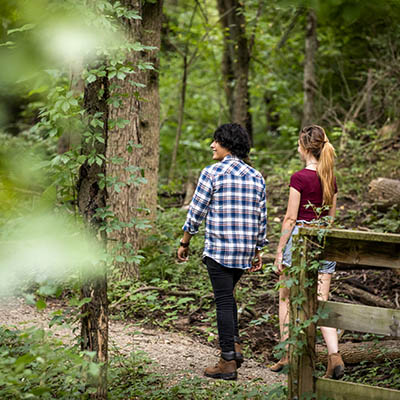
(350, 247)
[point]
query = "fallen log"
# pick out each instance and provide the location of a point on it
(354, 353)
(365, 297)
(385, 192)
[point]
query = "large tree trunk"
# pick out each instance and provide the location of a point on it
(385, 192)
(310, 82)
(236, 61)
(94, 324)
(136, 144)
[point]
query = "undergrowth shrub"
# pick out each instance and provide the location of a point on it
(34, 366)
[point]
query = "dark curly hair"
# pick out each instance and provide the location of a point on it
(234, 138)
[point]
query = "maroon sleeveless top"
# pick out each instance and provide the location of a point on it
(307, 182)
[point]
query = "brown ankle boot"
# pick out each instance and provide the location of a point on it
(335, 368)
(238, 355)
(278, 367)
(224, 369)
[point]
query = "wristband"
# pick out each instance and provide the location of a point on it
(183, 244)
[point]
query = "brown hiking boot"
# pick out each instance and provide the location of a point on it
(335, 368)
(224, 369)
(278, 367)
(238, 355)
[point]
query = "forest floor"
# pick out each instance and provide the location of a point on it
(177, 355)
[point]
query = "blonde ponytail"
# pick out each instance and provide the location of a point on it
(325, 171)
(313, 139)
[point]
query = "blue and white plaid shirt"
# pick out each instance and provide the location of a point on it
(231, 195)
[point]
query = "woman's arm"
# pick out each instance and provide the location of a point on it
(332, 210)
(288, 224)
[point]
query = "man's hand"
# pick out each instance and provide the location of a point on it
(257, 262)
(183, 253)
(183, 250)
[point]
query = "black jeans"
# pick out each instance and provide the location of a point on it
(223, 281)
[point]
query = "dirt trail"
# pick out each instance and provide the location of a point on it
(175, 354)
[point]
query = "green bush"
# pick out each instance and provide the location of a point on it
(34, 366)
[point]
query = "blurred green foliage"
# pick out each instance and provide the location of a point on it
(34, 365)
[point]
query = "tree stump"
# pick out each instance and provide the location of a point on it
(385, 192)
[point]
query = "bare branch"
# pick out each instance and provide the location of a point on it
(293, 22)
(253, 36)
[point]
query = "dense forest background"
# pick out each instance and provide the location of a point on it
(107, 110)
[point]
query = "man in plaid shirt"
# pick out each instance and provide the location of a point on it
(231, 196)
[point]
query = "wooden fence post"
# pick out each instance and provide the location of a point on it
(303, 306)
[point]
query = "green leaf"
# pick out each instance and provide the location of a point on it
(30, 299)
(24, 360)
(75, 302)
(91, 78)
(184, 300)
(99, 161)
(47, 290)
(66, 106)
(41, 304)
(121, 123)
(137, 46)
(40, 390)
(94, 369)
(121, 75)
(38, 90)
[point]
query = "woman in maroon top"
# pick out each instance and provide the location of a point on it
(315, 184)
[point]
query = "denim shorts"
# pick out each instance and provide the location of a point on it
(327, 267)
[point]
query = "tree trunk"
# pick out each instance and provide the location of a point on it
(190, 188)
(385, 192)
(354, 353)
(271, 115)
(94, 324)
(180, 119)
(94, 327)
(136, 144)
(236, 61)
(310, 82)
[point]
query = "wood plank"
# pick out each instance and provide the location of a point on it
(362, 252)
(356, 235)
(354, 317)
(365, 249)
(339, 390)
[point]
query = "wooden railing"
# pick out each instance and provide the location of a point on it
(354, 248)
